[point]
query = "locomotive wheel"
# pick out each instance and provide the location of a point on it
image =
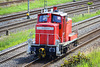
(32, 52)
(68, 48)
(65, 50)
(52, 57)
(75, 43)
(71, 45)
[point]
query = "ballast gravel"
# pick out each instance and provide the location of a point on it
(85, 49)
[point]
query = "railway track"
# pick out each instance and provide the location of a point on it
(12, 2)
(14, 52)
(17, 25)
(91, 22)
(75, 10)
(83, 40)
(33, 12)
(6, 28)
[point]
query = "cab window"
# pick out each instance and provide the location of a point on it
(56, 18)
(43, 18)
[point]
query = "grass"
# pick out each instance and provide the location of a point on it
(94, 60)
(36, 4)
(86, 16)
(14, 39)
(5, 1)
(20, 37)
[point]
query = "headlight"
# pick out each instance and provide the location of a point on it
(51, 49)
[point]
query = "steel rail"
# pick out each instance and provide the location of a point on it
(12, 2)
(12, 57)
(95, 22)
(12, 49)
(24, 21)
(35, 18)
(65, 5)
(33, 12)
(21, 47)
(27, 65)
(17, 25)
(27, 22)
(67, 10)
(6, 27)
(87, 37)
(84, 21)
(72, 50)
(9, 58)
(89, 25)
(84, 9)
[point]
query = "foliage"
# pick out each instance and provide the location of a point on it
(33, 5)
(14, 39)
(80, 60)
(89, 3)
(74, 60)
(94, 60)
(19, 37)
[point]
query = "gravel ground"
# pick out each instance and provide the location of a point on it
(13, 53)
(23, 59)
(86, 49)
(17, 20)
(32, 25)
(34, 16)
(89, 28)
(19, 61)
(82, 12)
(23, 28)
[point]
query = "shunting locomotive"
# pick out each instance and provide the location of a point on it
(53, 34)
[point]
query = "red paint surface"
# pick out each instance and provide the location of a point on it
(52, 34)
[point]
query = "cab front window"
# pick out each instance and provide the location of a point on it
(56, 18)
(43, 18)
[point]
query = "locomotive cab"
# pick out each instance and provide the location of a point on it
(53, 34)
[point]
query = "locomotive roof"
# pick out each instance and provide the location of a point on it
(57, 13)
(60, 13)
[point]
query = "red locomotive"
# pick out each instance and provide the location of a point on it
(53, 34)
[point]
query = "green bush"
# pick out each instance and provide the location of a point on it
(94, 60)
(80, 60)
(74, 60)
(89, 3)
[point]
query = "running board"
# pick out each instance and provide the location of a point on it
(68, 42)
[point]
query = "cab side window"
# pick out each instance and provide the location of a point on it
(56, 18)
